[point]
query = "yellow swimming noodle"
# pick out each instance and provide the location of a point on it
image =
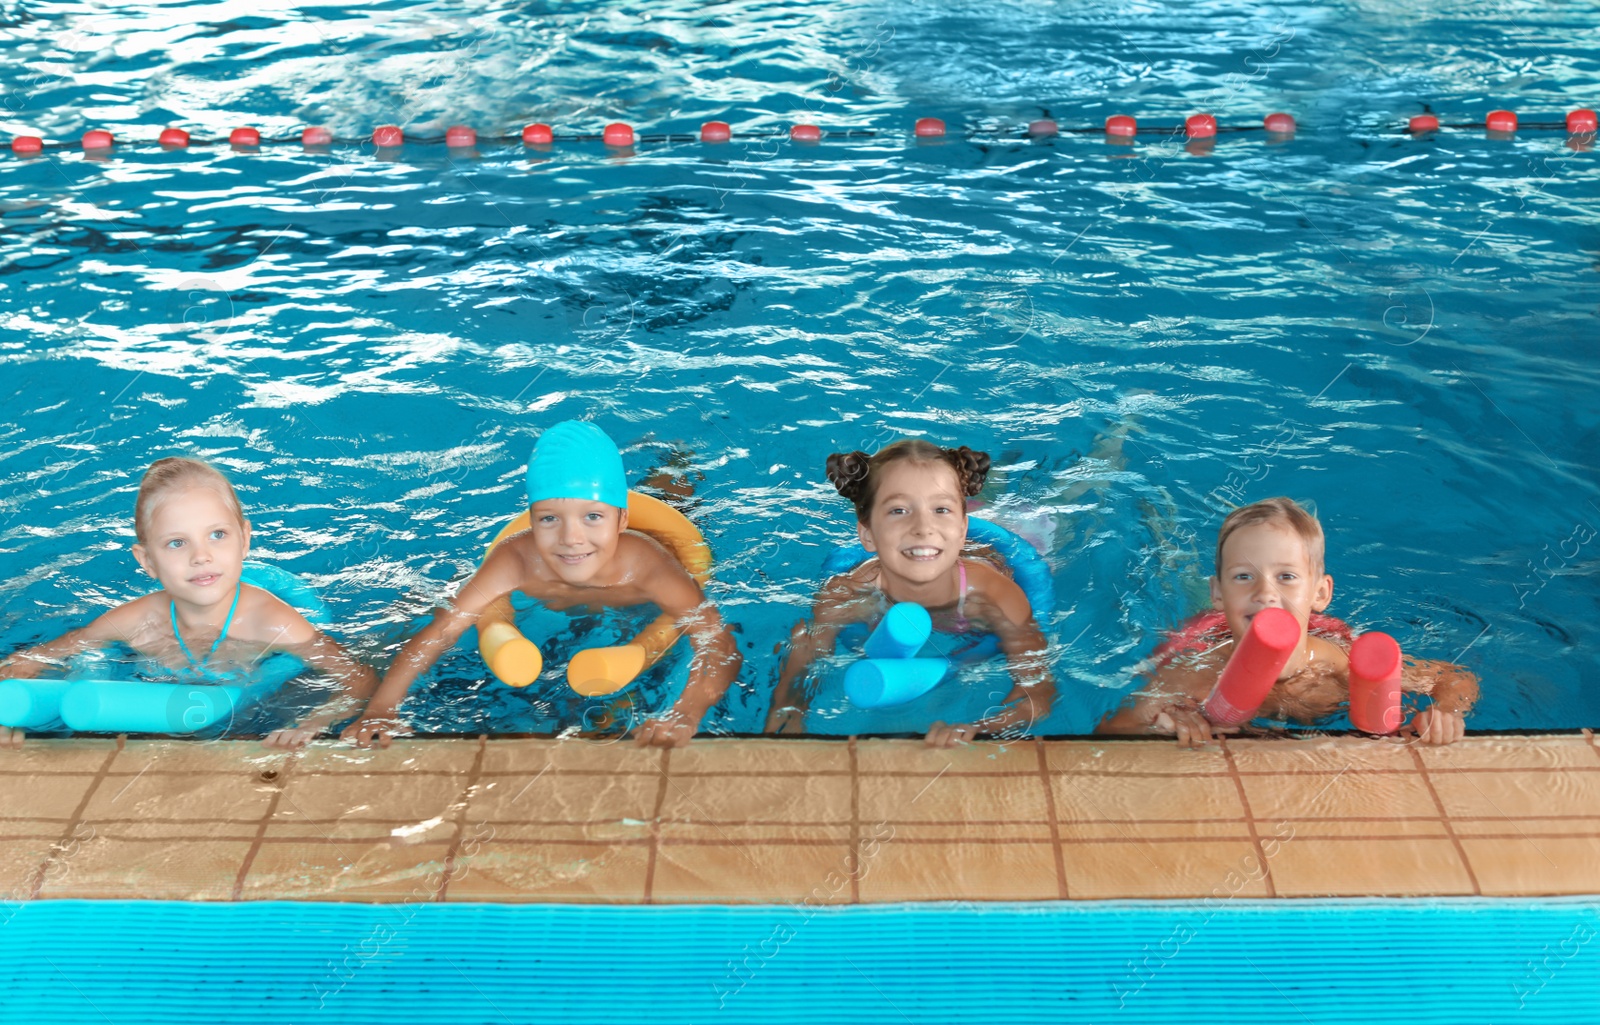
(516, 661)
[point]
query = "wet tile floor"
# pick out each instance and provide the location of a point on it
(799, 821)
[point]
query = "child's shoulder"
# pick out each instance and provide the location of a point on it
(263, 616)
(1329, 653)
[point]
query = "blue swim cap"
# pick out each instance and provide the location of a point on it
(575, 459)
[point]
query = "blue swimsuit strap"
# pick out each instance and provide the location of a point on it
(199, 663)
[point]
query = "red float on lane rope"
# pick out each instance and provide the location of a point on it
(385, 136)
(1122, 125)
(1424, 123)
(27, 145)
(1580, 121)
(460, 136)
(1501, 121)
(316, 137)
(1043, 128)
(805, 133)
(174, 138)
(1200, 126)
(716, 131)
(538, 134)
(618, 134)
(1280, 122)
(244, 137)
(929, 128)
(97, 138)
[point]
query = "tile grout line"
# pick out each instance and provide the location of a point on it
(70, 832)
(655, 826)
(855, 822)
(1054, 821)
(1444, 817)
(1249, 817)
(261, 828)
(461, 817)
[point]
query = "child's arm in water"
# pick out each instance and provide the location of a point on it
(1454, 690)
(835, 607)
(500, 574)
(280, 628)
(125, 623)
(1169, 705)
(999, 604)
(716, 659)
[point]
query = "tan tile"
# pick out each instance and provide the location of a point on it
(28, 829)
(763, 873)
(959, 832)
(1521, 828)
(1321, 754)
(740, 757)
(45, 755)
(1162, 757)
(1339, 829)
(1368, 868)
(735, 833)
(1142, 798)
(551, 797)
(397, 799)
(532, 756)
(178, 797)
(346, 871)
(961, 871)
(1547, 793)
(1512, 753)
(984, 756)
(1376, 795)
(448, 756)
(437, 829)
(722, 799)
(534, 833)
(55, 796)
(197, 829)
(19, 864)
(951, 798)
(1132, 831)
(584, 872)
(103, 869)
(1219, 869)
(220, 757)
(1533, 868)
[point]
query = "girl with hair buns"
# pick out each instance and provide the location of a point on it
(911, 514)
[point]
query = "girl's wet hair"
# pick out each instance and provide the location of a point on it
(1276, 510)
(856, 475)
(172, 474)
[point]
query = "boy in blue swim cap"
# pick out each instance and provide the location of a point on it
(577, 551)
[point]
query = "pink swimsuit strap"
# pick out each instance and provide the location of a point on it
(962, 625)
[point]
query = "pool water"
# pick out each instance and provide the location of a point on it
(1398, 330)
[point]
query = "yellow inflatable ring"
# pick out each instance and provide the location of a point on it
(516, 661)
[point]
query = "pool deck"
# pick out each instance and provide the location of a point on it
(799, 821)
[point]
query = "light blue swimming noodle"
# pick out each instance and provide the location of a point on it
(88, 702)
(891, 674)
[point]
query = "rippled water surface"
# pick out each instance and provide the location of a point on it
(1400, 330)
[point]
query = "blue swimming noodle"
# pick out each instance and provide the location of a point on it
(88, 703)
(890, 675)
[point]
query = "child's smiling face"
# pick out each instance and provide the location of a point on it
(195, 545)
(918, 521)
(577, 538)
(1266, 565)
